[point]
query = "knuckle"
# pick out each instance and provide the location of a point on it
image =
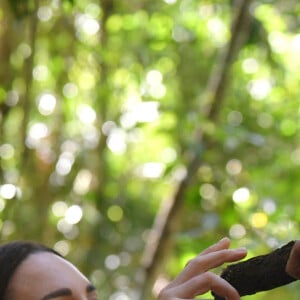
(205, 278)
(196, 261)
(164, 294)
(208, 276)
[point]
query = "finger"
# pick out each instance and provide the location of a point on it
(203, 263)
(293, 263)
(224, 243)
(203, 283)
(215, 259)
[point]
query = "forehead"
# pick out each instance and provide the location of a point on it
(43, 272)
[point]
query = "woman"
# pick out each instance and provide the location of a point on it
(30, 271)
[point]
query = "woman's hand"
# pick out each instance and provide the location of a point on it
(293, 263)
(196, 279)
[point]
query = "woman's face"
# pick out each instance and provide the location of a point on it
(46, 276)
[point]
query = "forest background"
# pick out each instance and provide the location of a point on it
(133, 134)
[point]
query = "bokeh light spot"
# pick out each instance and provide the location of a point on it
(269, 206)
(40, 73)
(82, 182)
(146, 111)
(7, 151)
(154, 77)
(59, 208)
(73, 214)
(208, 191)
(44, 13)
(37, 132)
(259, 88)
(70, 90)
(46, 104)
(24, 50)
(86, 80)
(116, 141)
(235, 118)
(86, 114)
(62, 247)
(241, 196)
(265, 120)
(250, 65)
(170, 1)
(237, 231)
(288, 127)
(115, 213)
(234, 167)
(65, 163)
(151, 170)
(112, 262)
(87, 24)
(2, 206)
(93, 10)
(278, 41)
(8, 191)
(259, 220)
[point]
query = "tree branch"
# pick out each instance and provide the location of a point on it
(29, 64)
(260, 273)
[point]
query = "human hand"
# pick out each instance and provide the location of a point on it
(196, 279)
(293, 263)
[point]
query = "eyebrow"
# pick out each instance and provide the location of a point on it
(66, 292)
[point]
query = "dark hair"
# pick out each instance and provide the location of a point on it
(12, 255)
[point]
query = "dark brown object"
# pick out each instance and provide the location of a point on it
(260, 273)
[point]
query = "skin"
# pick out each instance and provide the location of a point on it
(46, 276)
(293, 263)
(196, 279)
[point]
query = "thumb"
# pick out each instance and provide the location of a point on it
(293, 263)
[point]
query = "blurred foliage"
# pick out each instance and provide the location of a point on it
(99, 102)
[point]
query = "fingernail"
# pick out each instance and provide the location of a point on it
(242, 249)
(223, 239)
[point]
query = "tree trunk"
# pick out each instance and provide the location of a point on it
(167, 221)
